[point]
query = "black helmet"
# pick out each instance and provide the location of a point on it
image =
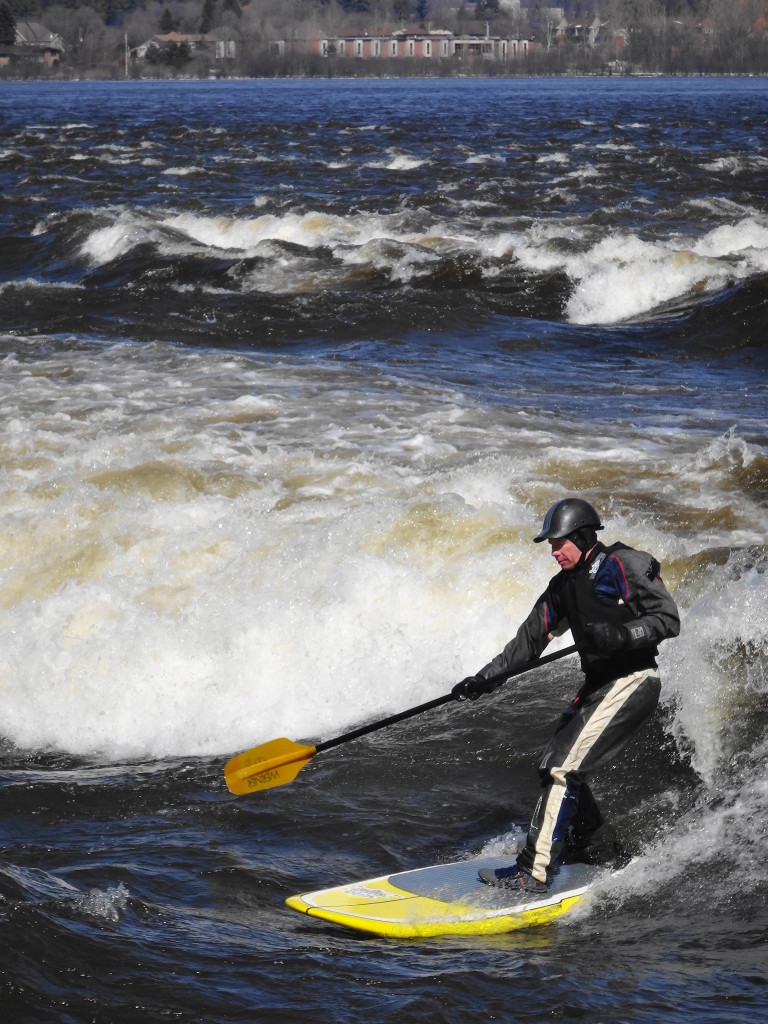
(565, 517)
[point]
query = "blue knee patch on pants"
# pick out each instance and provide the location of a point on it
(566, 813)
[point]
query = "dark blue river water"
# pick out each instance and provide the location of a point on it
(291, 372)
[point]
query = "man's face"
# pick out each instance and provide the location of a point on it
(565, 553)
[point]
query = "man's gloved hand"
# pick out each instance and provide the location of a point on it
(473, 687)
(606, 637)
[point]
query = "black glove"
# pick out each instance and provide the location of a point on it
(473, 687)
(606, 637)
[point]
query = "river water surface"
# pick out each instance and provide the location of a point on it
(291, 372)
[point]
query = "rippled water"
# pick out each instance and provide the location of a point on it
(290, 373)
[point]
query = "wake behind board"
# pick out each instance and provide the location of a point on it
(447, 899)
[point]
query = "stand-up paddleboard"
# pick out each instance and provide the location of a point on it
(447, 899)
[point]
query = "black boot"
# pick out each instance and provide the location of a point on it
(600, 847)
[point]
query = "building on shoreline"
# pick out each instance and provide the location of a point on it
(402, 45)
(33, 44)
(219, 41)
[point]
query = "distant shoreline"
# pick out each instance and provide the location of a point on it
(49, 80)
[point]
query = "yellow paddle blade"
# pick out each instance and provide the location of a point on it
(271, 764)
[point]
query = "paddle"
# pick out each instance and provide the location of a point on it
(280, 761)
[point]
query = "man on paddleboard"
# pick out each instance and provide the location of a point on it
(615, 604)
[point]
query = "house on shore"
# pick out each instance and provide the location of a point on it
(219, 40)
(590, 31)
(34, 44)
(401, 45)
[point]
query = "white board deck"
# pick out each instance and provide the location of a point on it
(444, 899)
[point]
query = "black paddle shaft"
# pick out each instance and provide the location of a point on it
(438, 701)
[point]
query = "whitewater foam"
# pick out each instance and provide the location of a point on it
(201, 553)
(615, 276)
(623, 276)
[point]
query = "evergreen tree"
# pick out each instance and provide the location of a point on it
(7, 25)
(179, 54)
(206, 19)
(166, 22)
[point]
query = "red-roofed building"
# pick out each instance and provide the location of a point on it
(402, 45)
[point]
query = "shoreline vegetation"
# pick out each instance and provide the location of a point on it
(304, 39)
(70, 79)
